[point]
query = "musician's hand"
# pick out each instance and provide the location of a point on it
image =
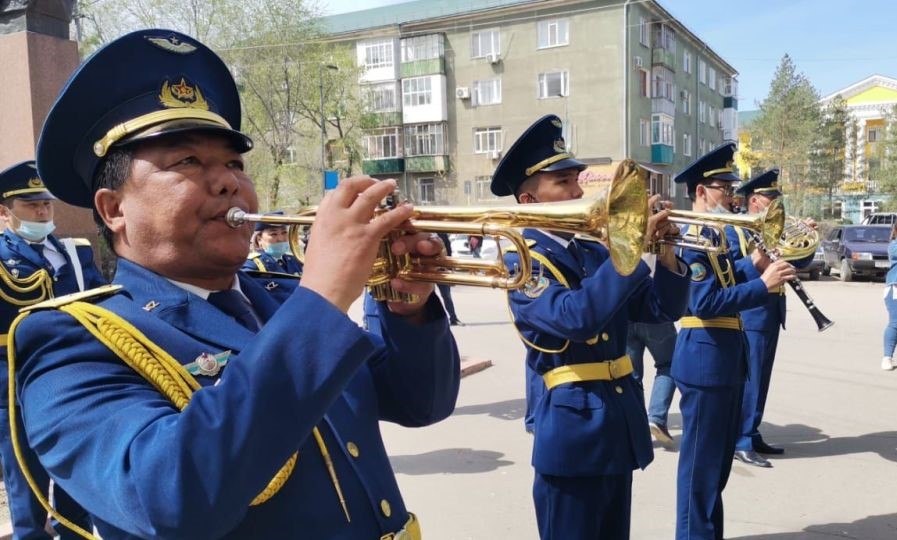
(422, 244)
(760, 260)
(811, 223)
(345, 238)
(777, 273)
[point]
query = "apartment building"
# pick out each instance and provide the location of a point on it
(451, 85)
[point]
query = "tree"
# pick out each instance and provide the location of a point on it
(784, 132)
(275, 52)
(828, 158)
(885, 173)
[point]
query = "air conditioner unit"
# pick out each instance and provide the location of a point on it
(637, 62)
(462, 92)
(494, 154)
(493, 58)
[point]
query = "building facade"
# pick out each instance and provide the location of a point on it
(451, 85)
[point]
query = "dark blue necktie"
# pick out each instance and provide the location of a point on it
(232, 303)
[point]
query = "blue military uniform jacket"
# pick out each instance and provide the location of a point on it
(287, 264)
(715, 356)
(595, 427)
(279, 286)
(770, 315)
(145, 470)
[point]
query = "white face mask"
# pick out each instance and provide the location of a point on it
(34, 231)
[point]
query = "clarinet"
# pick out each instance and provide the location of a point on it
(822, 322)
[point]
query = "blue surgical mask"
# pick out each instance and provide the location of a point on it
(278, 249)
(35, 231)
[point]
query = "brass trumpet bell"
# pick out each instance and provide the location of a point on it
(798, 240)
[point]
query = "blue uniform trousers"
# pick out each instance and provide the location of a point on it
(535, 389)
(709, 429)
(27, 515)
(583, 507)
(761, 356)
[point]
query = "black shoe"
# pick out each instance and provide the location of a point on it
(762, 448)
(752, 458)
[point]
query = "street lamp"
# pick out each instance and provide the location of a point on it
(321, 67)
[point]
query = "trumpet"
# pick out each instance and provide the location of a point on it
(798, 240)
(616, 216)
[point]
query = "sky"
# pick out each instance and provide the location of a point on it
(835, 43)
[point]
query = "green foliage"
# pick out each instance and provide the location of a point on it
(828, 160)
(783, 133)
(883, 169)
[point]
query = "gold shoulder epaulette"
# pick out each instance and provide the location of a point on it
(267, 274)
(91, 295)
(81, 242)
(254, 255)
(513, 249)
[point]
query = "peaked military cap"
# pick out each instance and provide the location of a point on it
(260, 226)
(715, 164)
(766, 183)
(145, 84)
(22, 181)
(540, 148)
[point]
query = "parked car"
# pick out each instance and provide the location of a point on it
(813, 270)
(857, 250)
(880, 218)
(489, 250)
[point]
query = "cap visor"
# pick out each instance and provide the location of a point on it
(241, 142)
(726, 177)
(40, 196)
(569, 163)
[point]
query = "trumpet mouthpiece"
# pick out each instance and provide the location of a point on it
(235, 217)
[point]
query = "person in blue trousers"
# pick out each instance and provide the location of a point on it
(890, 338)
(660, 340)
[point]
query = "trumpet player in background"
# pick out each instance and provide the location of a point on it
(188, 403)
(710, 359)
(591, 430)
(761, 323)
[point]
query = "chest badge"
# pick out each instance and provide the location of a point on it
(535, 287)
(12, 262)
(271, 285)
(698, 271)
(208, 364)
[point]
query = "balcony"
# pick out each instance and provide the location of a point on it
(381, 119)
(661, 153)
(374, 167)
(730, 102)
(432, 66)
(663, 57)
(663, 106)
(426, 164)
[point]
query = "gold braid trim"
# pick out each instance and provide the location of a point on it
(155, 365)
(39, 281)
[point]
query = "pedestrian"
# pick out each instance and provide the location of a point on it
(445, 290)
(185, 402)
(475, 243)
(890, 342)
(591, 430)
(36, 266)
(660, 340)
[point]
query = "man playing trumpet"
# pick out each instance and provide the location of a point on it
(189, 404)
(591, 430)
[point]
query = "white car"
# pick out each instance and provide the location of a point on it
(489, 250)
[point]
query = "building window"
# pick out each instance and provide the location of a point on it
(426, 190)
(553, 33)
(872, 135)
(378, 54)
(664, 37)
(719, 118)
(643, 31)
(702, 71)
(838, 210)
(712, 115)
(711, 78)
(425, 140)
(868, 207)
(484, 191)
(417, 91)
(554, 84)
(662, 129)
(381, 97)
(485, 42)
(686, 102)
(644, 132)
(686, 62)
(662, 86)
(487, 92)
(643, 85)
(486, 140)
(702, 112)
(686, 144)
(422, 48)
(381, 143)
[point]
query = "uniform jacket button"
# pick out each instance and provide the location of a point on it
(385, 508)
(618, 389)
(353, 449)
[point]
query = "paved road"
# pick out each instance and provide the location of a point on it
(831, 406)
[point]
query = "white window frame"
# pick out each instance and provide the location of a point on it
(686, 144)
(644, 132)
(559, 29)
(662, 131)
(492, 36)
(686, 102)
(644, 77)
(383, 51)
(711, 115)
(702, 112)
(382, 143)
(662, 83)
(489, 88)
(686, 61)
(872, 134)
(543, 84)
(426, 190)
(486, 140)
(417, 91)
(377, 99)
(425, 47)
(711, 78)
(702, 71)
(483, 188)
(644, 35)
(424, 140)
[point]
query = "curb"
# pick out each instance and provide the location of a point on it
(469, 366)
